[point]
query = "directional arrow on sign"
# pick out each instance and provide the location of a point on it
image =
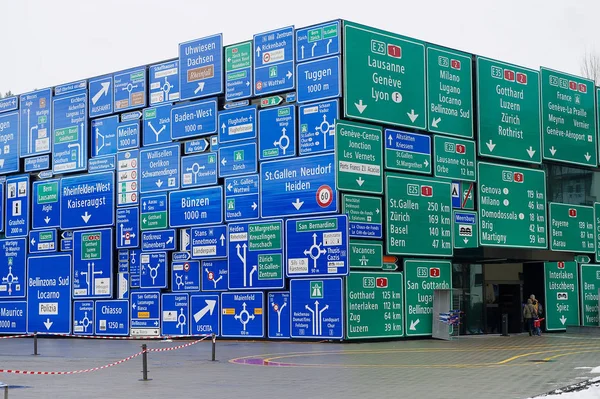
(210, 307)
(435, 121)
(587, 156)
(413, 117)
(466, 240)
(103, 92)
(552, 150)
(257, 51)
(563, 320)
(48, 323)
(223, 161)
(426, 163)
(413, 324)
(86, 216)
(360, 106)
(254, 206)
(199, 88)
(47, 219)
(222, 238)
(360, 181)
(298, 204)
(159, 183)
(490, 145)
(33, 241)
(170, 240)
(530, 151)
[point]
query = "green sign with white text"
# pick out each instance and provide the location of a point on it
(238, 56)
(590, 283)
(561, 295)
(366, 254)
(572, 228)
(364, 215)
(454, 158)
(597, 228)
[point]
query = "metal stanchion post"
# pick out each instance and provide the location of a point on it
(214, 345)
(35, 344)
(6, 392)
(144, 363)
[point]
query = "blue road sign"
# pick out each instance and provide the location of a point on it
(135, 267)
(13, 317)
(66, 245)
(104, 135)
(9, 137)
(196, 207)
(128, 135)
(185, 276)
(9, 104)
(360, 229)
(131, 116)
(256, 255)
(279, 315)
(36, 120)
(45, 209)
(41, 241)
(49, 294)
(199, 170)
(87, 201)
(318, 41)
(40, 162)
(317, 246)
(83, 317)
(456, 191)
(18, 198)
(201, 67)
(123, 285)
(298, 186)
(2, 206)
(164, 82)
(128, 227)
(237, 124)
(128, 167)
(101, 96)
(70, 87)
(238, 71)
(408, 143)
(319, 79)
(180, 256)
(196, 146)
(130, 89)
(175, 314)
(159, 168)
(145, 313)
(237, 159)
(184, 240)
(45, 174)
(153, 270)
(214, 143)
(69, 133)
(12, 268)
(242, 315)
(194, 119)
(277, 133)
(159, 240)
(274, 61)
(156, 126)
(154, 212)
(241, 198)
(209, 242)
(111, 318)
(317, 127)
(102, 164)
(92, 264)
(205, 314)
(317, 308)
(214, 275)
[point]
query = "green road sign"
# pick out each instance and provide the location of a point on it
(364, 215)
(238, 56)
(91, 244)
(512, 206)
(407, 152)
(572, 228)
(389, 267)
(258, 240)
(359, 157)
(562, 295)
(154, 221)
(419, 216)
(374, 305)
(590, 283)
(422, 278)
(597, 228)
(465, 229)
(47, 193)
(384, 77)
(449, 92)
(366, 254)
(454, 158)
(582, 259)
(568, 118)
(509, 111)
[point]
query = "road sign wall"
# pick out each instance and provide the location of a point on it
(561, 295)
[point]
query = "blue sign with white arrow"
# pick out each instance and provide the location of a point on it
(135, 259)
(241, 198)
(196, 146)
(199, 170)
(317, 246)
(194, 119)
(17, 206)
(318, 41)
(277, 133)
(317, 308)
(45, 210)
(69, 133)
(127, 177)
(164, 82)
(201, 67)
(319, 79)
(159, 240)
(238, 71)
(279, 315)
(153, 270)
(175, 314)
(237, 159)
(209, 242)
(41, 162)
(49, 294)
(196, 207)
(128, 135)
(154, 212)
(237, 124)
(256, 255)
(9, 104)
(130, 89)
(128, 230)
(317, 127)
(87, 201)
(408, 143)
(104, 135)
(274, 61)
(185, 276)
(12, 268)
(101, 96)
(242, 315)
(111, 318)
(156, 128)
(145, 313)
(159, 168)
(13, 317)
(205, 314)
(36, 121)
(41, 241)
(298, 186)
(92, 264)
(214, 275)
(9, 137)
(83, 317)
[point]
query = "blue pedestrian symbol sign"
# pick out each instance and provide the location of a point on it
(317, 308)
(175, 314)
(242, 315)
(205, 314)
(279, 314)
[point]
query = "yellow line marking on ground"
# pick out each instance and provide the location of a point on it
(569, 354)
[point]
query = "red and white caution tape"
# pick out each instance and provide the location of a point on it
(15, 336)
(139, 338)
(176, 347)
